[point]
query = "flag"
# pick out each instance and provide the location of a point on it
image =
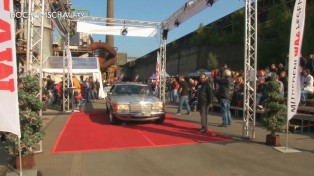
(70, 63)
(9, 114)
(157, 70)
(294, 77)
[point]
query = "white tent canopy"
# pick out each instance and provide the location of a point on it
(80, 66)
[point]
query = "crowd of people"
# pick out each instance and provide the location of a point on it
(262, 77)
(86, 90)
(227, 88)
(223, 86)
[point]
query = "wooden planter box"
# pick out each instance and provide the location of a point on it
(28, 162)
(273, 140)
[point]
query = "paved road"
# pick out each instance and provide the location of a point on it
(241, 157)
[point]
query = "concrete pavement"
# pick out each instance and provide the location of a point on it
(240, 157)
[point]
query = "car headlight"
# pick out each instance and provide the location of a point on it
(122, 107)
(158, 106)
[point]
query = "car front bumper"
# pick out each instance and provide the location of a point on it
(139, 116)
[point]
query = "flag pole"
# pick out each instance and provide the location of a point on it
(287, 133)
(294, 83)
(20, 154)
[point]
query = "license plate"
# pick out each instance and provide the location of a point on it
(142, 114)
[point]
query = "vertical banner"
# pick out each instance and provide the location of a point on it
(70, 63)
(296, 37)
(9, 114)
(157, 70)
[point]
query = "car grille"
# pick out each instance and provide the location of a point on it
(145, 108)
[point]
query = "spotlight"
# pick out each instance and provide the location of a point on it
(124, 31)
(210, 3)
(188, 4)
(176, 23)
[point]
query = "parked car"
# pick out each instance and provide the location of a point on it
(133, 102)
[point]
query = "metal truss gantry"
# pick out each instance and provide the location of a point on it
(186, 11)
(116, 22)
(250, 56)
(162, 77)
(250, 66)
(35, 40)
(67, 97)
(35, 31)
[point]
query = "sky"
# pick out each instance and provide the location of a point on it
(155, 11)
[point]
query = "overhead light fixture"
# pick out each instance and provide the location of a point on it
(188, 4)
(176, 23)
(124, 31)
(210, 3)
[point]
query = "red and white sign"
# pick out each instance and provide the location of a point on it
(9, 113)
(296, 37)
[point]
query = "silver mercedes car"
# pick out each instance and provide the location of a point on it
(133, 102)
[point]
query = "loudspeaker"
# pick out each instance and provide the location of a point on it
(165, 34)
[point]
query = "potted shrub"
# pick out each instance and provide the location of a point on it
(31, 123)
(274, 118)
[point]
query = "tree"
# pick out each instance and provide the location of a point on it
(212, 62)
(199, 37)
(273, 118)
(308, 41)
(274, 34)
(31, 123)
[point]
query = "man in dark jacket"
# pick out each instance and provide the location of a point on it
(97, 84)
(205, 99)
(183, 91)
(224, 95)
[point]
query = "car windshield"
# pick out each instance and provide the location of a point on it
(131, 89)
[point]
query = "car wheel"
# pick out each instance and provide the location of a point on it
(112, 119)
(161, 119)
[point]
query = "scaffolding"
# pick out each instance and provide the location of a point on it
(35, 46)
(67, 95)
(184, 13)
(163, 66)
(35, 41)
(250, 56)
(250, 66)
(35, 36)
(115, 22)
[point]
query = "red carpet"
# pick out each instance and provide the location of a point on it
(90, 131)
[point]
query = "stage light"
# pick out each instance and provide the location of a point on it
(176, 23)
(210, 3)
(124, 32)
(188, 4)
